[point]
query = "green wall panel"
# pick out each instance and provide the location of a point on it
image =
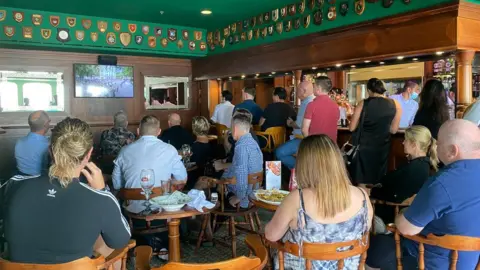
(372, 11)
(101, 44)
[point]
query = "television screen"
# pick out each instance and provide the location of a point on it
(103, 81)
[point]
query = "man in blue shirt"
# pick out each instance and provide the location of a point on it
(148, 152)
(285, 152)
(31, 151)
(448, 203)
(406, 97)
(250, 105)
(248, 159)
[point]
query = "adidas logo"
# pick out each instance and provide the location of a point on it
(51, 193)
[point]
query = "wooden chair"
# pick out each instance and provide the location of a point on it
(222, 131)
(454, 243)
(254, 179)
(97, 263)
(257, 128)
(274, 137)
(323, 252)
(144, 253)
(136, 194)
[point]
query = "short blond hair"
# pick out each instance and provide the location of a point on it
(71, 141)
(321, 167)
(200, 126)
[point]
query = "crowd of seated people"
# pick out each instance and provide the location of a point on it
(60, 202)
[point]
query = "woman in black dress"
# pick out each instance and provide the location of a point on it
(433, 107)
(382, 118)
(202, 151)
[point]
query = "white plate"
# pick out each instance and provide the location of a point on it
(171, 203)
(267, 191)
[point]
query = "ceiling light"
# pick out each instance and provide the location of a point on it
(273, 72)
(367, 61)
(327, 68)
(314, 68)
(439, 53)
(286, 73)
(230, 78)
(243, 76)
(270, 75)
(382, 63)
(415, 59)
(257, 74)
(206, 12)
(338, 65)
(353, 66)
(400, 57)
(318, 74)
(218, 79)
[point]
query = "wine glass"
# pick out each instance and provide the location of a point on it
(147, 181)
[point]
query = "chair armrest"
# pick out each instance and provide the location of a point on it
(143, 255)
(417, 238)
(118, 254)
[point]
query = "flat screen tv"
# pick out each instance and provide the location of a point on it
(103, 81)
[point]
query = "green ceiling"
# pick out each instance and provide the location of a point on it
(176, 12)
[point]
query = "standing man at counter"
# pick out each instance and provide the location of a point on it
(250, 105)
(406, 97)
(285, 151)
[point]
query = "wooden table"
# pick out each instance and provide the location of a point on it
(264, 205)
(173, 220)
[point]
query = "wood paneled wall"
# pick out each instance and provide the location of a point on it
(98, 112)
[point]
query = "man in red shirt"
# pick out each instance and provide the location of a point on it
(322, 114)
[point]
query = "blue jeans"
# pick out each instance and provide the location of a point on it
(285, 152)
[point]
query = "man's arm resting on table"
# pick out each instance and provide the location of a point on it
(405, 227)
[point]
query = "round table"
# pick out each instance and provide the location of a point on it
(264, 205)
(173, 220)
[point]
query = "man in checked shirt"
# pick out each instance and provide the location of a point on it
(247, 159)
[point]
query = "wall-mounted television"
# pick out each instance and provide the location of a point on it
(103, 81)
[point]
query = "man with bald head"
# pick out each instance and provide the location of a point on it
(31, 151)
(285, 152)
(448, 203)
(176, 135)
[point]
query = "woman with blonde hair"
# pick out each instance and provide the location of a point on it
(325, 209)
(401, 184)
(202, 151)
(58, 218)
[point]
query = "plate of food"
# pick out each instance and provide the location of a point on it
(172, 202)
(273, 196)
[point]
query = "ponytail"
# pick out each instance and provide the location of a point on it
(432, 153)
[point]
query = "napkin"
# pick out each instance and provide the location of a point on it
(199, 200)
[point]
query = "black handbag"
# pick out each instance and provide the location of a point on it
(351, 148)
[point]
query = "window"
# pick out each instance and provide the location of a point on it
(30, 91)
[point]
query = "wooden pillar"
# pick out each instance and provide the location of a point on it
(464, 61)
(298, 79)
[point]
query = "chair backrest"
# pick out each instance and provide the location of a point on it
(255, 178)
(120, 254)
(278, 135)
(221, 132)
(143, 255)
(324, 252)
(80, 264)
(454, 243)
(396, 207)
(136, 194)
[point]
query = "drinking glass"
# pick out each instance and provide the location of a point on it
(166, 186)
(147, 181)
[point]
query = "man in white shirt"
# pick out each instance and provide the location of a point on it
(224, 111)
(148, 152)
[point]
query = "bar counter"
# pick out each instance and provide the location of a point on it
(396, 157)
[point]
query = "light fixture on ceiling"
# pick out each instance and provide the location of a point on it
(415, 59)
(314, 68)
(382, 63)
(270, 75)
(206, 12)
(400, 57)
(367, 61)
(218, 79)
(243, 76)
(257, 74)
(353, 66)
(318, 74)
(286, 73)
(327, 68)
(230, 78)
(273, 72)
(338, 65)
(439, 53)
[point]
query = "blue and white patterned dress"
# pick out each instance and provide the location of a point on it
(314, 232)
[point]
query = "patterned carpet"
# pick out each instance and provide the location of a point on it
(208, 252)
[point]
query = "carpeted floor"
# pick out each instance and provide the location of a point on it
(208, 252)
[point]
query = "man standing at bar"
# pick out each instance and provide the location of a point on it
(406, 97)
(224, 111)
(250, 105)
(286, 151)
(322, 114)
